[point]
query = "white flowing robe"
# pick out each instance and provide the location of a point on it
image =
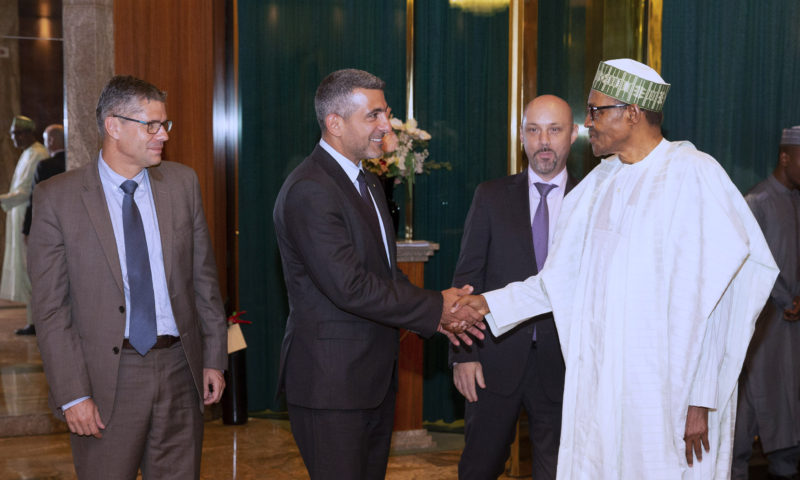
(15, 284)
(655, 279)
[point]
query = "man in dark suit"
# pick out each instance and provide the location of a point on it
(347, 297)
(523, 368)
(126, 303)
(57, 163)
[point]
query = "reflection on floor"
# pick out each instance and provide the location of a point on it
(260, 449)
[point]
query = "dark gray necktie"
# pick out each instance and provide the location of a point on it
(541, 224)
(540, 227)
(142, 328)
(362, 187)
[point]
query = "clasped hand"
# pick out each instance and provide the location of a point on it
(460, 318)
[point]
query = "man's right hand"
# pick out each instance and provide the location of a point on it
(456, 325)
(476, 303)
(84, 419)
(465, 376)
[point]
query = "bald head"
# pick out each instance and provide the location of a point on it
(54, 138)
(557, 106)
(547, 133)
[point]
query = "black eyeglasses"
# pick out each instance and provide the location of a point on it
(592, 111)
(153, 126)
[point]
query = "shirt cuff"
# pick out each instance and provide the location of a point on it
(73, 403)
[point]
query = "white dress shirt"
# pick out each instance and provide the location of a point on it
(351, 169)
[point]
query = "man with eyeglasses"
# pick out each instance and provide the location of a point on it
(655, 279)
(126, 303)
(15, 284)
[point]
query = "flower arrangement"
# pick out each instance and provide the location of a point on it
(405, 150)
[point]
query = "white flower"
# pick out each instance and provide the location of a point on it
(411, 125)
(397, 124)
(423, 135)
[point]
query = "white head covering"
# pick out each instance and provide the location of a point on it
(791, 136)
(631, 82)
(22, 122)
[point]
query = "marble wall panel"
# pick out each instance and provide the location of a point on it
(88, 65)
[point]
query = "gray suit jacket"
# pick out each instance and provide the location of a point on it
(346, 301)
(78, 301)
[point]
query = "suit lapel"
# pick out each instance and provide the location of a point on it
(570, 184)
(164, 209)
(388, 226)
(521, 217)
(343, 181)
(94, 200)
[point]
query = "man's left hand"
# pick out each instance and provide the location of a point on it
(213, 385)
(696, 436)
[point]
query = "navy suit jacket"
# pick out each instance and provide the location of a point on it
(497, 249)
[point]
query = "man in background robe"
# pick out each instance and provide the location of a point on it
(656, 276)
(15, 284)
(769, 401)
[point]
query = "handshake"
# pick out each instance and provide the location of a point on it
(462, 313)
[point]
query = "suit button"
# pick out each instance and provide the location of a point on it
(115, 350)
(121, 309)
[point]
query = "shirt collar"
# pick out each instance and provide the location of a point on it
(559, 180)
(348, 166)
(110, 176)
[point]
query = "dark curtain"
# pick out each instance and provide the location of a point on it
(462, 100)
(286, 47)
(734, 66)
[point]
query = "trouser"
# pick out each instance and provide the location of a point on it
(489, 428)
(782, 462)
(156, 424)
(344, 444)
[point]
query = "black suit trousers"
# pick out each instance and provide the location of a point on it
(489, 427)
(345, 444)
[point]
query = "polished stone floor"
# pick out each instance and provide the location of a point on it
(261, 449)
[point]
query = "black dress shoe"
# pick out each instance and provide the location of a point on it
(29, 330)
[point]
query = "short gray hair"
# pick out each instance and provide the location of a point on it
(333, 94)
(119, 96)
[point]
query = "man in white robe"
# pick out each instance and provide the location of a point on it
(655, 279)
(15, 284)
